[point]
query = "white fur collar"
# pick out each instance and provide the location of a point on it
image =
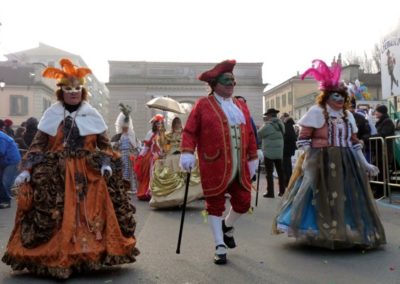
(88, 119)
(315, 118)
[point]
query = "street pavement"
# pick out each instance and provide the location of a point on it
(259, 258)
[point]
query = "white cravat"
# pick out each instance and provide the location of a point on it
(233, 113)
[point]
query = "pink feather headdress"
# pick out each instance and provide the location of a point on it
(328, 77)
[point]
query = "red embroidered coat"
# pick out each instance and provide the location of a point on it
(207, 128)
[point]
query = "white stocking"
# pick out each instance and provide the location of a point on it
(216, 227)
(231, 218)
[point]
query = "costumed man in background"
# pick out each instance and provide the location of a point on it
(125, 141)
(151, 151)
(73, 210)
(219, 127)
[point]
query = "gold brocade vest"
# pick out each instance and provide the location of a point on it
(235, 150)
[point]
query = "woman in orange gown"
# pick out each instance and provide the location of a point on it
(145, 162)
(73, 211)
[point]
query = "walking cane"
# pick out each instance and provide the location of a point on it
(178, 249)
(258, 181)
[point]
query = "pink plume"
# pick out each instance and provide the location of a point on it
(328, 77)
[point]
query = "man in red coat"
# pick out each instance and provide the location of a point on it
(219, 127)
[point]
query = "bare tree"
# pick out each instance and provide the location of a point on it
(376, 55)
(370, 64)
(352, 58)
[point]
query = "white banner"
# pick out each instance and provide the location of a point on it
(390, 68)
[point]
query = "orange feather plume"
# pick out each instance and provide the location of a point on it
(54, 73)
(68, 70)
(68, 67)
(82, 72)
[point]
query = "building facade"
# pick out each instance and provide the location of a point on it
(137, 82)
(23, 95)
(286, 95)
(45, 55)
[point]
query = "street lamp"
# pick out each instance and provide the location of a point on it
(2, 84)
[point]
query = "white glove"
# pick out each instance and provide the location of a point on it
(371, 169)
(371, 122)
(260, 155)
(106, 170)
(187, 161)
(253, 164)
(305, 148)
(144, 151)
(25, 176)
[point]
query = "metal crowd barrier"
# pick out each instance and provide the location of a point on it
(385, 154)
(377, 156)
(392, 164)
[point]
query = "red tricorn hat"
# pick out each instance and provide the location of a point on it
(221, 68)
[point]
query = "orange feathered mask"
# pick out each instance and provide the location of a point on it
(67, 74)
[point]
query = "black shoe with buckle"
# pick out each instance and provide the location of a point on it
(228, 235)
(5, 205)
(220, 258)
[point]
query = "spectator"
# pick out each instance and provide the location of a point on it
(289, 148)
(7, 127)
(9, 159)
(31, 129)
(19, 139)
(364, 131)
(1, 125)
(271, 135)
(384, 127)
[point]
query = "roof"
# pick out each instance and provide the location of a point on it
(19, 75)
(287, 82)
(42, 49)
(13, 74)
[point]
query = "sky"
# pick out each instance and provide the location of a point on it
(284, 35)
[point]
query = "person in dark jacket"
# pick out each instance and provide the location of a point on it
(384, 127)
(1, 125)
(364, 131)
(31, 129)
(19, 139)
(9, 159)
(289, 142)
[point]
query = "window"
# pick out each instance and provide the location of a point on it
(290, 98)
(278, 102)
(18, 105)
(272, 103)
(267, 105)
(46, 104)
(283, 100)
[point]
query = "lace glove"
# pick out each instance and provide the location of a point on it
(371, 169)
(25, 176)
(187, 161)
(106, 170)
(260, 155)
(253, 164)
